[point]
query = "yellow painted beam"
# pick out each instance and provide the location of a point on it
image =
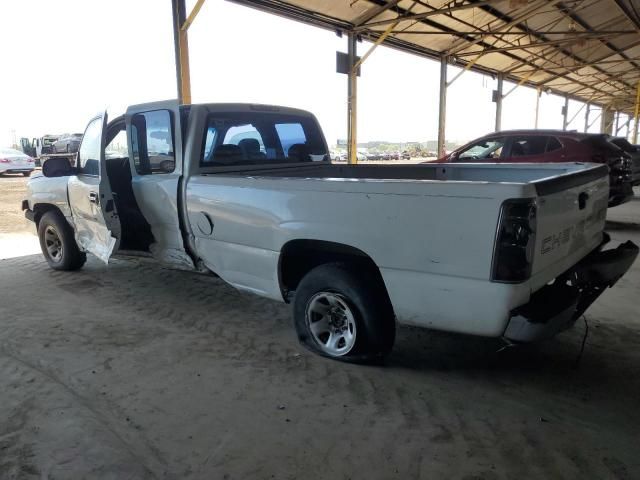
(192, 16)
(380, 39)
(185, 74)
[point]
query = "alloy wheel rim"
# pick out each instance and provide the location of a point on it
(331, 323)
(53, 244)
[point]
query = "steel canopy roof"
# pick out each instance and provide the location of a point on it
(588, 50)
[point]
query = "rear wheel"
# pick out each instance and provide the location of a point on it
(58, 246)
(26, 174)
(343, 312)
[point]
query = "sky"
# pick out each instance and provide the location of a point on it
(74, 58)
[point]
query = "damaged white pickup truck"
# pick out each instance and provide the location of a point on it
(247, 192)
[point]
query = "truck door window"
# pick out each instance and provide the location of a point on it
(152, 142)
(117, 147)
(89, 153)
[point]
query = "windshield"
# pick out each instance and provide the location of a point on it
(484, 149)
(253, 138)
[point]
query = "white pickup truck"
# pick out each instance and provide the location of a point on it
(247, 192)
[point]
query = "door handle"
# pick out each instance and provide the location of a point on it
(93, 198)
(582, 200)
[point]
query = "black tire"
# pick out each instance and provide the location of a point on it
(26, 174)
(368, 304)
(52, 225)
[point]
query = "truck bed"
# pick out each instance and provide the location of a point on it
(541, 175)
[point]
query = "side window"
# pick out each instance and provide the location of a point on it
(553, 144)
(117, 147)
(489, 149)
(290, 134)
(89, 153)
(152, 142)
(531, 145)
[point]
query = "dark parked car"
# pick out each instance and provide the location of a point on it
(542, 146)
(67, 143)
(634, 152)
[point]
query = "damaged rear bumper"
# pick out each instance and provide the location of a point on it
(557, 306)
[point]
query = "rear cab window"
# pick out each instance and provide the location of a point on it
(261, 138)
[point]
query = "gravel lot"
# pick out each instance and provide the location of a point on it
(134, 371)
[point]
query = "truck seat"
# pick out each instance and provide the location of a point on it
(251, 149)
(227, 154)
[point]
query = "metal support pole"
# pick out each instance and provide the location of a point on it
(628, 127)
(616, 128)
(498, 101)
(635, 115)
(181, 47)
(442, 107)
(538, 94)
(352, 105)
(608, 118)
(586, 118)
(598, 117)
(565, 112)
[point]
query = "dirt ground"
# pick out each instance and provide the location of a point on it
(135, 372)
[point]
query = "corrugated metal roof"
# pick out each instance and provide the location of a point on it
(586, 49)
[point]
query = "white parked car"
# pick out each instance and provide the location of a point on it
(251, 195)
(15, 161)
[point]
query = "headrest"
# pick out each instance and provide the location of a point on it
(299, 152)
(227, 153)
(249, 145)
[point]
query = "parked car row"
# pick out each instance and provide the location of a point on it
(343, 156)
(557, 146)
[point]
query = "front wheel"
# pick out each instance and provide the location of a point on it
(343, 312)
(58, 246)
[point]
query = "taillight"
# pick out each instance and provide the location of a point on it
(515, 241)
(5, 160)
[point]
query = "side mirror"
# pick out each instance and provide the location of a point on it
(58, 167)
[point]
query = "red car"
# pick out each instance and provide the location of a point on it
(542, 146)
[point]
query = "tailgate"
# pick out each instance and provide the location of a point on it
(571, 212)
